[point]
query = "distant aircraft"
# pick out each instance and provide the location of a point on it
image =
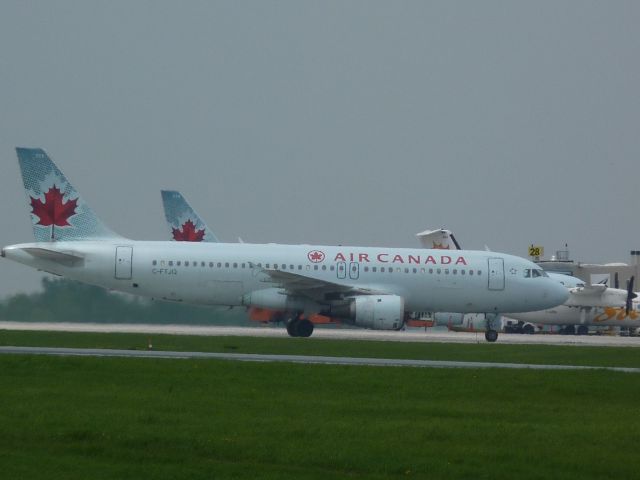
(371, 287)
(184, 223)
(589, 305)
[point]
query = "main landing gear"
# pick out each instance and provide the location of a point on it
(299, 327)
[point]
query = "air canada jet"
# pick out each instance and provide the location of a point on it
(371, 287)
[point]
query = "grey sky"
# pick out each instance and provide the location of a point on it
(355, 122)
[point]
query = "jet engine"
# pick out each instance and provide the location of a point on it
(377, 312)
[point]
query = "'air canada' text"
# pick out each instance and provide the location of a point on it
(410, 259)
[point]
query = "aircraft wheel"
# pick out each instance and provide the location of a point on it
(583, 330)
(304, 328)
(569, 330)
(292, 327)
(491, 335)
(528, 330)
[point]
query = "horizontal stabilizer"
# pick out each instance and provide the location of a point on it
(63, 258)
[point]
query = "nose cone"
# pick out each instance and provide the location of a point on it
(555, 293)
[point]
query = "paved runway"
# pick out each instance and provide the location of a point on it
(414, 335)
(307, 359)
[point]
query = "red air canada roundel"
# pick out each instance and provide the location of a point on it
(315, 256)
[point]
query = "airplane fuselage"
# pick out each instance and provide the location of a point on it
(224, 274)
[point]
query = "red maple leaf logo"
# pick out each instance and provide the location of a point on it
(315, 256)
(53, 211)
(188, 233)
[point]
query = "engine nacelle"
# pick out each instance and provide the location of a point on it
(378, 312)
(277, 299)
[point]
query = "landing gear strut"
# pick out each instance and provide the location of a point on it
(493, 321)
(299, 327)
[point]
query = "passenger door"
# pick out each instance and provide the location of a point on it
(496, 273)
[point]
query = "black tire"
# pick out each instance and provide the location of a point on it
(292, 327)
(491, 336)
(583, 330)
(569, 330)
(528, 330)
(304, 328)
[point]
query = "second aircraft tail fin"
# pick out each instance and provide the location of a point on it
(184, 222)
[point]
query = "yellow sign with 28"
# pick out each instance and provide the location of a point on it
(536, 251)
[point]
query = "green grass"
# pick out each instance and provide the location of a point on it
(98, 418)
(539, 354)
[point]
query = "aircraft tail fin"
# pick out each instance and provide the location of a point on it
(440, 239)
(57, 211)
(183, 221)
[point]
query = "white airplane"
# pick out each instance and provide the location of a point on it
(185, 224)
(587, 305)
(369, 287)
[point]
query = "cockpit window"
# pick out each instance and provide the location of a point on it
(534, 272)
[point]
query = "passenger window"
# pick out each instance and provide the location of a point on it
(431, 271)
(324, 267)
(266, 265)
(210, 264)
(479, 272)
(292, 267)
(235, 265)
(462, 272)
(454, 271)
(299, 267)
(406, 270)
(315, 267)
(226, 264)
(470, 272)
(438, 271)
(527, 273)
(446, 271)
(382, 269)
(373, 269)
(154, 263)
(186, 263)
(415, 270)
(308, 267)
(220, 265)
(332, 268)
(284, 267)
(243, 265)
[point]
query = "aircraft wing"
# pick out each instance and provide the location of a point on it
(314, 288)
(596, 295)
